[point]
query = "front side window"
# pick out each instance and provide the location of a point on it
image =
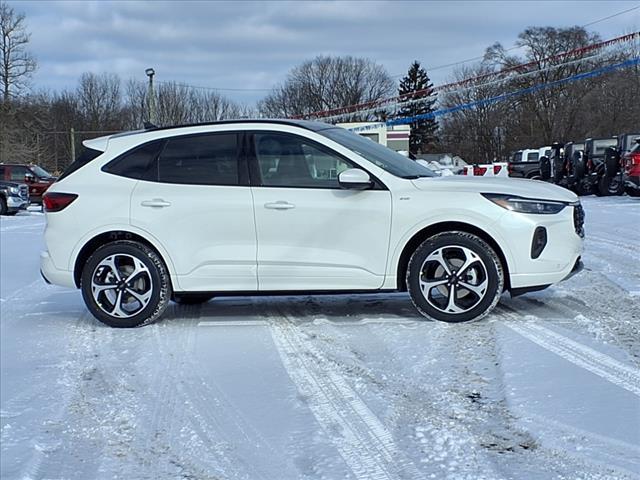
(210, 159)
(532, 157)
(292, 161)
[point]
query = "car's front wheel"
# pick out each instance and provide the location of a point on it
(455, 277)
(125, 284)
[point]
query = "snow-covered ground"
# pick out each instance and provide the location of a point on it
(338, 387)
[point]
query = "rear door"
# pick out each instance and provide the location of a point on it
(197, 202)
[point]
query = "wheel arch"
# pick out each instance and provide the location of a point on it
(442, 227)
(108, 237)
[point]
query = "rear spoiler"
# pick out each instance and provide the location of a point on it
(99, 143)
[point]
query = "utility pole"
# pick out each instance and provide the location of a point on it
(73, 145)
(151, 99)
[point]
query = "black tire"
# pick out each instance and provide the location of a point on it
(610, 186)
(558, 170)
(3, 206)
(191, 298)
(611, 162)
(578, 165)
(545, 168)
(486, 269)
(154, 283)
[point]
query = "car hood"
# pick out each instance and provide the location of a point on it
(505, 185)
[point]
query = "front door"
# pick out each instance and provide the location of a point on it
(313, 235)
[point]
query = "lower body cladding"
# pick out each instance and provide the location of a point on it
(551, 253)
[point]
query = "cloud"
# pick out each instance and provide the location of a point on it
(253, 44)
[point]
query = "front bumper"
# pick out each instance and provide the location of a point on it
(53, 275)
(17, 203)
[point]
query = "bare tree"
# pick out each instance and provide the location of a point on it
(100, 101)
(17, 63)
(327, 83)
(178, 104)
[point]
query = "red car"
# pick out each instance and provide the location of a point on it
(37, 178)
(631, 165)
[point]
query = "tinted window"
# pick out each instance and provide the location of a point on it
(1, 172)
(203, 160)
(137, 163)
(86, 155)
(532, 157)
(292, 161)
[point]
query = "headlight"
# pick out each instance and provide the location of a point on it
(14, 190)
(525, 205)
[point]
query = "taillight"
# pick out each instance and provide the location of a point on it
(496, 169)
(479, 171)
(54, 202)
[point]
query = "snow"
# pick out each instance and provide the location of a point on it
(327, 387)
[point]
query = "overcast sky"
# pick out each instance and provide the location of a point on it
(252, 45)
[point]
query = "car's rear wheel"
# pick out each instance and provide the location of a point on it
(455, 277)
(125, 284)
(191, 298)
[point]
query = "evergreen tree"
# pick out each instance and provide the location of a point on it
(416, 86)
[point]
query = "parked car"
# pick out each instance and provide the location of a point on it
(497, 169)
(37, 178)
(251, 206)
(602, 165)
(631, 169)
(525, 164)
(13, 197)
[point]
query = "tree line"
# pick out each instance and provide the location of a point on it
(36, 125)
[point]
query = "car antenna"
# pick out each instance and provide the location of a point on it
(149, 125)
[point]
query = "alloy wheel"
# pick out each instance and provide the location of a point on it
(453, 279)
(121, 285)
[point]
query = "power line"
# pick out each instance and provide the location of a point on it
(169, 82)
(517, 69)
(611, 16)
(438, 67)
(515, 47)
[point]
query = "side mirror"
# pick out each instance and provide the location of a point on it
(355, 179)
(28, 178)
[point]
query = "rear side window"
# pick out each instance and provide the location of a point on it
(532, 157)
(210, 159)
(86, 155)
(137, 163)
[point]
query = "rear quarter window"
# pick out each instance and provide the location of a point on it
(138, 163)
(85, 157)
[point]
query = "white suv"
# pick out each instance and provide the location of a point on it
(273, 206)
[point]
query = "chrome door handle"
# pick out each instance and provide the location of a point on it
(155, 203)
(280, 205)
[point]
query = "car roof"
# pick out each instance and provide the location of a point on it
(306, 124)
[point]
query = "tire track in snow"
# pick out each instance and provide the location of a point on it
(364, 443)
(585, 357)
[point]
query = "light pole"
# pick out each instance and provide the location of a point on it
(151, 103)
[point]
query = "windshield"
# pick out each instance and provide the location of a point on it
(381, 156)
(39, 171)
